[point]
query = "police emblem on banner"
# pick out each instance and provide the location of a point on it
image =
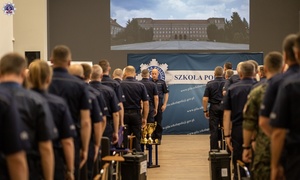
(9, 9)
(154, 64)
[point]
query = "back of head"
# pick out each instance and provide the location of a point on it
(297, 48)
(104, 65)
(145, 73)
(118, 73)
(273, 61)
(238, 67)
(247, 69)
(228, 73)
(228, 65)
(39, 74)
(261, 71)
(61, 55)
(76, 70)
(218, 71)
(96, 72)
(255, 65)
(12, 63)
(129, 71)
(87, 71)
(287, 46)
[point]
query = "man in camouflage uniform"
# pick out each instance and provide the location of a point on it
(261, 160)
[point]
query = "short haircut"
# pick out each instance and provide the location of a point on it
(87, 71)
(12, 63)
(247, 69)
(218, 71)
(104, 65)
(228, 65)
(76, 70)
(96, 72)
(60, 54)
(273, 61)
(287, 46)
(255, 65)
(261, 70)
(39, 72)
(117, 72)
(229, 73)
(145, 73)
(129, 70)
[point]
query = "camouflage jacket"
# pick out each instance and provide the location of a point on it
(250, 122)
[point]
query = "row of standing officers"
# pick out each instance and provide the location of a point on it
(54, 130)
(260, 119)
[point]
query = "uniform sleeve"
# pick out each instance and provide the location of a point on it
(206, 91)
(120, 94)
(227, 101)
(268, 100)
(85, 103)
(96, 115)
(280, 114)
(114, 103)
(10, 130)
(67, 128)
(251, 110)
(46, 130)
(165, 88)
(102, 105)
(145, 96)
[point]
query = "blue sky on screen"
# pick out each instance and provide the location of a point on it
(123, 10)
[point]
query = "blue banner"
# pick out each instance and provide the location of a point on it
(186, 76)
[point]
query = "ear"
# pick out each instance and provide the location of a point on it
(69, 62)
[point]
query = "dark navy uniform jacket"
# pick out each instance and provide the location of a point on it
(61, 116)
(106, 80)
(118, 80)
(162, 89)
(134, 92)
(271, 91)
(100, 99)
(72, 90)
(213, 90)
(151, 89)
(13, 137)
(285, 113)
(109, 96)
(35, 114)
(233, 79)
(236, 98)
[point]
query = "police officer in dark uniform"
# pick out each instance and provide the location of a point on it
(233, 79)
(163, 95)
(110, 98)
(234, 102)
(35, 115)
(13, 164)
(275, 82)
(108, 81)
(153, 95)
(117, 75)
(75, 93)
(285, 124)
(96, 117)
(39, 76)
(213, 96)
(135, 93)
(93, 153)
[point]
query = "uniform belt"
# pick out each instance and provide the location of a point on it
(132, 111)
